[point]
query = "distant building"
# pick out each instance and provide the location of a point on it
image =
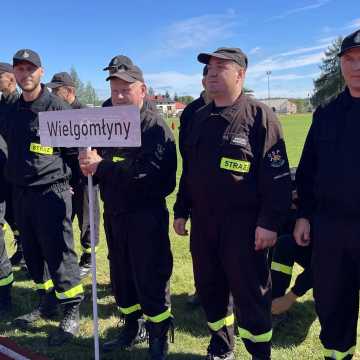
(167, 106)
(281, 106)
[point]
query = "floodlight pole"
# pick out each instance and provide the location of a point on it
(268, 73)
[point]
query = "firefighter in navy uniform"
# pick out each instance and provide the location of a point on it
(133, 185)
(285, 254)
(62, 85)
(238, 183)
(328, 179)
(182, 206)
(40, 177)
(9, 96)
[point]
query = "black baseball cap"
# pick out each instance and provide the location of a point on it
(27, 55)
(6, 68)
(117, 61)
(129, 73)
(234, 54)
(61, 79)
(350, 42)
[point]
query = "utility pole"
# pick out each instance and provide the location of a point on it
(268, 73)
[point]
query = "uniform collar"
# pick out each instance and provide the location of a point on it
(38, 104)
(229, 111)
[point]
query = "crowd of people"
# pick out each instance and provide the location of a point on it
(252, 217)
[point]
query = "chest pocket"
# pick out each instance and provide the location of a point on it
(236, 155)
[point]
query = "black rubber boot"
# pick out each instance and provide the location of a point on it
(17, 259)
(85, 265)
(133, 332)
(47, 309)
(5, 300)
(69, 325)
(158, 338)
(226, 356)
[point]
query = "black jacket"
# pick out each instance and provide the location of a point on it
(328, 176)
(135, 178)
(6, 103)
(236, 162)
(29, 163)
(182, 203)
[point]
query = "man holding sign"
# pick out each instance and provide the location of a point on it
(133, 184)
(42, 199)
(63, 86)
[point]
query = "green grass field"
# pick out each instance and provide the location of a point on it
(297, 340)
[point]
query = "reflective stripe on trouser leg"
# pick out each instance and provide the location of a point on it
(260, 338)
(159, 318)
(45, 286)
(339, 355)
(131, 309)
(7, 280)
(217, 325)
(88, 250)
(74, 292)
(281, 268)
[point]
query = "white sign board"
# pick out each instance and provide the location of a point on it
(116, 126)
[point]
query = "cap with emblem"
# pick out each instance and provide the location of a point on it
(6, 68)
(234, 54)
(124, 69)
(117, 61)
(350, 42)
(27, 55)
(61, 79)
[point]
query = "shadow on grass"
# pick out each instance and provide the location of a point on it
(83, 349)
(295, 329)
(188, 318)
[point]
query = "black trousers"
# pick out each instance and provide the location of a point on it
(44, 219)
(140, 262)
(285, 254)
(225, 261)
(9, 213)
(336, 268)
(6, 275)
(80, 208)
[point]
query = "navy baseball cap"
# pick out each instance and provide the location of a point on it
(61, 79)
(234, 54)
(118, 61)
(27, 55)
(6, 68)
(350, 42)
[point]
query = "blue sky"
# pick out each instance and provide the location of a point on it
(286, 37)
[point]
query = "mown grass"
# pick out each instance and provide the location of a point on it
(297, 340)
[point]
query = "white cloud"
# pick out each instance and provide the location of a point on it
(279, 63)
(317, 4)
(199, 31)
(354, 24)
(304, 50)
(255, 50)
(290, 77)
(173, 81)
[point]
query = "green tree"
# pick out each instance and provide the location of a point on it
(176, 98)
(185, 99)
(330, 82)
(85, 94)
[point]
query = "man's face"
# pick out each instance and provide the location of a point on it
(350, 67)
(125, 93)
(28, 75)
(224, 76)
(5, 81)
(61, 91)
